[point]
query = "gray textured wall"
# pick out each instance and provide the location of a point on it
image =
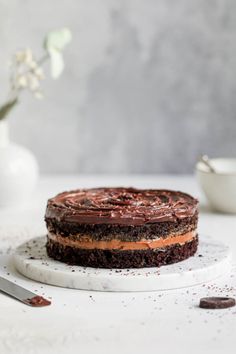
(149, 84)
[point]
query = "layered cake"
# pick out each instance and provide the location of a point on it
(121, 227)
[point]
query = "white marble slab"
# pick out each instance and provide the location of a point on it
(212, 260)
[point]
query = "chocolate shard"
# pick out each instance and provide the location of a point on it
(216, 302)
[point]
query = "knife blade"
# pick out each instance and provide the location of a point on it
(18, 292)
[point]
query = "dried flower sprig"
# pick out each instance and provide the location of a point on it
(26, 72)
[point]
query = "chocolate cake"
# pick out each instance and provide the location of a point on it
(121, 227)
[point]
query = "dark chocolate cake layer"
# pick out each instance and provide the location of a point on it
(122, 232)
(122, 259)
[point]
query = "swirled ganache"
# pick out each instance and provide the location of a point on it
(121, 227)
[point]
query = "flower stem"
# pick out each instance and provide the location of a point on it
(43, 59)
(7, 107)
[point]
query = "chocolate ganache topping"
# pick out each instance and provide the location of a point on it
(123, 206)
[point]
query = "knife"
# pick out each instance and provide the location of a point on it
(21, 294)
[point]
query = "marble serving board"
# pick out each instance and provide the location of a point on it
(212, 260)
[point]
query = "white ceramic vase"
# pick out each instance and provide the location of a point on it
(18, 171)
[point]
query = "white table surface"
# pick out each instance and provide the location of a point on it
(95, 322)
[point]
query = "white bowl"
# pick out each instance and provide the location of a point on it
(219, 187)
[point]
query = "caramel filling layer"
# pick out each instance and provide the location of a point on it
(88, 243)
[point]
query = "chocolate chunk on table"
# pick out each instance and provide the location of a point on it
(216, 302)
